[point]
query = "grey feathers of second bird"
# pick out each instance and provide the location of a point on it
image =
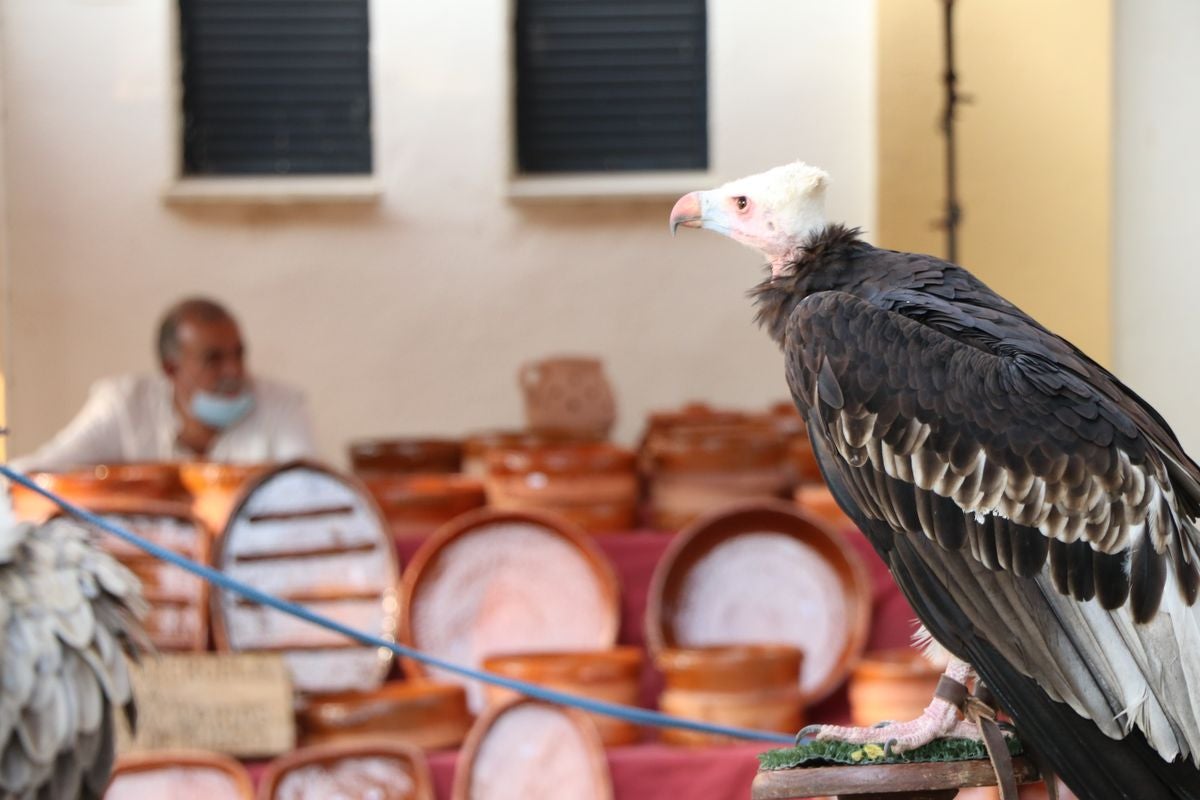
(68, 616)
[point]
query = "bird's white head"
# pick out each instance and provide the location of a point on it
(773, 212)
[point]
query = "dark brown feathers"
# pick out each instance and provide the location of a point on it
(951, 414)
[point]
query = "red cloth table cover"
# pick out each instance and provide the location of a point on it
(654, 771)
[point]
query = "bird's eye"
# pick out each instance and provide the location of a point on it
(741, 202)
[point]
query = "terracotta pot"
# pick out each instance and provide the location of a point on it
(695, 413)
(180, 774)
(311, 535)
(730, 668)
(696, 469)
(477, 446)
(816, 499)
(593, 485)
(716, 448)
(568, 393)
(514, 746)
(417, 504)
(495, 582)
(390, 456)
(100, 486)
(891, 685)
(419, 713)
(609, 675)
(215, 487)
(748, 686)
(381, 770)
(764, 572)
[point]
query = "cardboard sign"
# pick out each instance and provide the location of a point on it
(235, 703)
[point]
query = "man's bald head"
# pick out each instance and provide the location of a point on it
(192, 309)
(200, 349)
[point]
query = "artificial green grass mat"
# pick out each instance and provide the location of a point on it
(815, 754)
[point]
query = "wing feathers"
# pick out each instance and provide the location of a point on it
(1034, 467)
(1147, 575)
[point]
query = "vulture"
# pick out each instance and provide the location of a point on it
(1039, 516)
(68, 617)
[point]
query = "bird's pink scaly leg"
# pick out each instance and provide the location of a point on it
(940, 719)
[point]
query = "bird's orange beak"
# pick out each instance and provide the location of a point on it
(686, 212)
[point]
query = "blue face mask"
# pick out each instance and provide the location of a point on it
(219, 411)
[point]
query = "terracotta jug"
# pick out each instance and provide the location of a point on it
(568, 393)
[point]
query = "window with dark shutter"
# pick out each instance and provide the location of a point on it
(611, 85)
(275, 87)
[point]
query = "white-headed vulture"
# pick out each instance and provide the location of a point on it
(1039, 515)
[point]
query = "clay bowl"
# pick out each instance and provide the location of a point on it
(747, 686)
(390, 456)
(417, 504)
(697, 469)
(730, 668)
(100, 486)
(716, 447)
(893, 685)
(203, 476)
(380, 770)
(595, 485)
(215, 487)
(495, 582)
(609, 675)
(785, 418)
(691, 414)
(817, 500)
(535, 751)
(179, 774)
(419, 713)
(477, 446)
(803, 461)
(764, 573)
(177, 619)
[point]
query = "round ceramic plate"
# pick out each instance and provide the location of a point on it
(499, 582)
(307, 534)
(535, 751)
(179, 773)
(379, 769)
(764, 573)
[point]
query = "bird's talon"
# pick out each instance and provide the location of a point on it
(883, 724)
(808, 734)
(887, 748)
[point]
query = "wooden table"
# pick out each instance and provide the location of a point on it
(931, 781)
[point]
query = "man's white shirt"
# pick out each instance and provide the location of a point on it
(133, 418)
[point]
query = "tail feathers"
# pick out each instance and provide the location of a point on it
(1093, 765)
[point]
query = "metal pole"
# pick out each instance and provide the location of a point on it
(953, 210)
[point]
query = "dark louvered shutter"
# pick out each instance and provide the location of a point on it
(275, 87)
(611, 85)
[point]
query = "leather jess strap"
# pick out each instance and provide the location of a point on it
(976, 709)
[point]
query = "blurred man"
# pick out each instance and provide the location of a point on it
(204, 405)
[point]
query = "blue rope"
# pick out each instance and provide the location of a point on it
(639, 716)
